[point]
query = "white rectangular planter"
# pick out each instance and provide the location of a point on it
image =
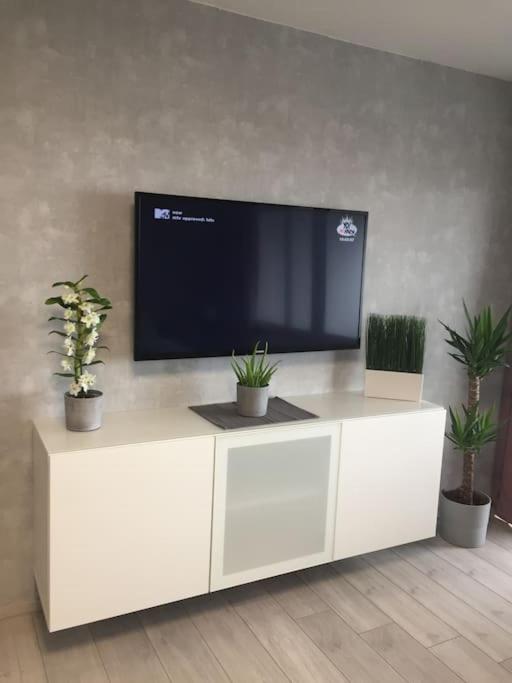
(401, 386)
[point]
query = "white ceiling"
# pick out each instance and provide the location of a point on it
(474, 35)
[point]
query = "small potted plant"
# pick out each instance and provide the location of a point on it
(464, 512)
(395, 350)
(253, 374)
(83, 313)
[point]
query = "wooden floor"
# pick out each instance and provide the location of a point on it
(423, 612)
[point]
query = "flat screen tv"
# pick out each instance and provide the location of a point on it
(214, 275)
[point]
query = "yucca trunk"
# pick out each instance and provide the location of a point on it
(468, 478)
(473, 391)
(468, 467)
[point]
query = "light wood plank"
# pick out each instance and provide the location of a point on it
(413, 661)
(396, 603)
(470, 663)
(20, 657)
(294, 595)
(500, 533)
(126, 651)
(482, 632)
(507, 664)
(297, 655)
(236, 647)
(473, 565)
(486, 601)
(19, 608)
(348, 651)
(343, 598)
(69, 655)
(496, 555)
(180, 647)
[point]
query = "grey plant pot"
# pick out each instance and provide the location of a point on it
(84, 414)
(252, 401)
(464, 525)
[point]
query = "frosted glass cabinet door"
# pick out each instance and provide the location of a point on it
(274, 500)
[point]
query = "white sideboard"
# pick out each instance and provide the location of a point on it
(161, 505)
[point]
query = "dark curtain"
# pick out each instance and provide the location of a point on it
(503, 461)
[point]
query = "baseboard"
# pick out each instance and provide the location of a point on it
(16, 609)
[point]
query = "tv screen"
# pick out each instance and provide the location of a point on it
(214, 275)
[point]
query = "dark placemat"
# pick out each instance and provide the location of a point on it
(224, 415)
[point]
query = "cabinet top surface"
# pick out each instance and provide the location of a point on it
(179, 422)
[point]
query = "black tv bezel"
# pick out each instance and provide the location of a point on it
(138, 356)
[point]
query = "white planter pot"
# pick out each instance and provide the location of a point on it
(401, 386)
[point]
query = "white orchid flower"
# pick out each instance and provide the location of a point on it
(86, 380)
(86, 307)
(66, 365)
(90, 319)
(69, 314)
(69, 345)
(70, 298)
(92, 338)
(89, 355)
(69, 327)
(74, 389)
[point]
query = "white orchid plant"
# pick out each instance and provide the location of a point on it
(83, 314)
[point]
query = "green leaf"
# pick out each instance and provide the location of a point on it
(67, 283)
(254, 370)
(91, 292)
(61, 334)
(55, 300)
(471, 430)
(485, 344)
(64, 374)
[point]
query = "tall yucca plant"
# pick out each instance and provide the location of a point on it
(481, 349)
(395, 343)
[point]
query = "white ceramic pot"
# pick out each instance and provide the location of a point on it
(401, 386)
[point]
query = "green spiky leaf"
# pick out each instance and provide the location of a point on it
(472, 429)
(484, 345)
(254, 370)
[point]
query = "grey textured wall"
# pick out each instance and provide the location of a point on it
(101, 98)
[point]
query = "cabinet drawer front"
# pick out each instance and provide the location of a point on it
(389, 477)
(129, 528)
(273, 503)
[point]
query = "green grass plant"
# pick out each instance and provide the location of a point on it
(395, 343)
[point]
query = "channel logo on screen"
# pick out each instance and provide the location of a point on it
(162, 214)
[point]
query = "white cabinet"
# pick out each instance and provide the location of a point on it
(388, 487)
(157, 506)
(127, 528)
(274, 502)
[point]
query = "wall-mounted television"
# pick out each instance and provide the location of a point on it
(213, 275)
